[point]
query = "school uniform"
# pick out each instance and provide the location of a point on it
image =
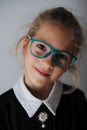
(20, 110)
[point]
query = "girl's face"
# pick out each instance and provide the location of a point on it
(40, 73)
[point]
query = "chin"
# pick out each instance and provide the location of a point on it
(40, 83)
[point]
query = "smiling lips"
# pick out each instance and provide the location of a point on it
(42, 73)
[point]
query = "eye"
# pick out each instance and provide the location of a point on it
(63, 57)
(41, 47)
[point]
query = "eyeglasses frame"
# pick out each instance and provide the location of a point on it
(52, 50)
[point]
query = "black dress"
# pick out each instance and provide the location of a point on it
(71, 114)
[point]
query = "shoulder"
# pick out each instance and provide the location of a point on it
(6, 94)
(73, 107)
(77, 98)
(77, 93)
(6, 98)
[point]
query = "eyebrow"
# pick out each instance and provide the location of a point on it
(49, 44)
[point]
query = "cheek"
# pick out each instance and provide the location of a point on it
(57, 73)
(29, 61)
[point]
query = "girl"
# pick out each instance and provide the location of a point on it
(39, 100)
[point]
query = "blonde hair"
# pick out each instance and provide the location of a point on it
(60, 17)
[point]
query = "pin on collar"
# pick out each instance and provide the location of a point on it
(42, 117)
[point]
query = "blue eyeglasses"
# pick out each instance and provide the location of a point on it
(61, 58)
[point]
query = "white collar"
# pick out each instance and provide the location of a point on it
(31, 104)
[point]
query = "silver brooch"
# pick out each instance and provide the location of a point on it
(43, 116)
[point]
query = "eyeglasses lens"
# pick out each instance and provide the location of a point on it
(40, 50)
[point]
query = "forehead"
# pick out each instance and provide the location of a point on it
(57, 36)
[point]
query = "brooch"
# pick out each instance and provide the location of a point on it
(42, 117)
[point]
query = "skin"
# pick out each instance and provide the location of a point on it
(40, 74)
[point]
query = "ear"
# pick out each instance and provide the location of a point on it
(25, 42)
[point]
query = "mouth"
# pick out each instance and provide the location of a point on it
(42, 73)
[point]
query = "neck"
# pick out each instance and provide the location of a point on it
(41, 93)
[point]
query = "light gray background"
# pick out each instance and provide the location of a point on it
(14, 14)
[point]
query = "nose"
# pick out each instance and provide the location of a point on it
(48, 62)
